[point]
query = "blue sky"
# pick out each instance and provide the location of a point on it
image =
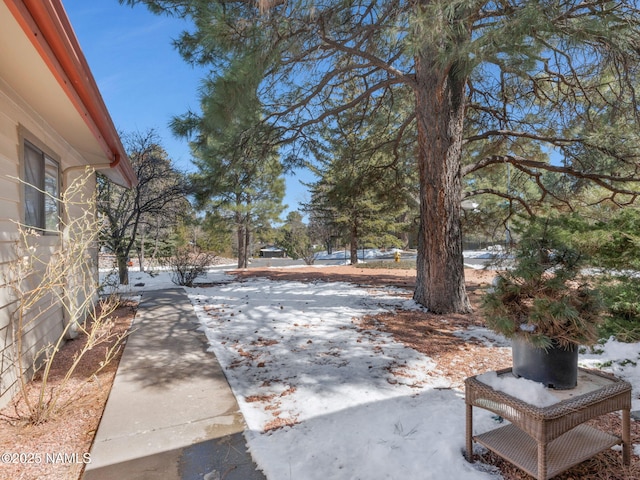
(143, 80)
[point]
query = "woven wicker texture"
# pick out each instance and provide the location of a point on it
(520, 449)
(547, 423)
(545, 441)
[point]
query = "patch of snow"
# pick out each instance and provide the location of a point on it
(528, 391)
(352, 403)
(488, 337)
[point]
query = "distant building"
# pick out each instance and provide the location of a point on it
(272, 251)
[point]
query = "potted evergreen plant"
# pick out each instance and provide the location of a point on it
(545, 305)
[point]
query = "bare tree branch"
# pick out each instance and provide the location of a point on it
(492, 191)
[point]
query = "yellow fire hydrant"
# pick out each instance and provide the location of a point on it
(397, 256)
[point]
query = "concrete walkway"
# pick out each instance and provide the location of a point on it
(171, 414)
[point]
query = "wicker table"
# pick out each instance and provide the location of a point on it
(545, 441)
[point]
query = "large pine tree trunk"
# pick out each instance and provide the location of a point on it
(440, 109)
(247, 242)
(242, 258)
(353, 250)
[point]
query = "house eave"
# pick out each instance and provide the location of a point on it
(48, 28)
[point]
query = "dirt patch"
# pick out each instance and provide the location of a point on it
(59, 448)
(434, 335)
(474, 278)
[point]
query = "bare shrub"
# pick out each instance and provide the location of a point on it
(187, 265)
(42, 280)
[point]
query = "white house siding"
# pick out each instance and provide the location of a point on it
(17, 121)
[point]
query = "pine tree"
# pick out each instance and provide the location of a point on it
(480, 71)
(239, 172)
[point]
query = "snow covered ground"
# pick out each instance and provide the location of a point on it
(325, 398)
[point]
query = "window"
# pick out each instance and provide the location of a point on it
(40, 190)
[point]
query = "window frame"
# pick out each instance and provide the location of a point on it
(41, 205)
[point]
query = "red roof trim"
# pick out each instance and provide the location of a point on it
(46, 24)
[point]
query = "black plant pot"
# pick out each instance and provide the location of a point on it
(555, 367)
